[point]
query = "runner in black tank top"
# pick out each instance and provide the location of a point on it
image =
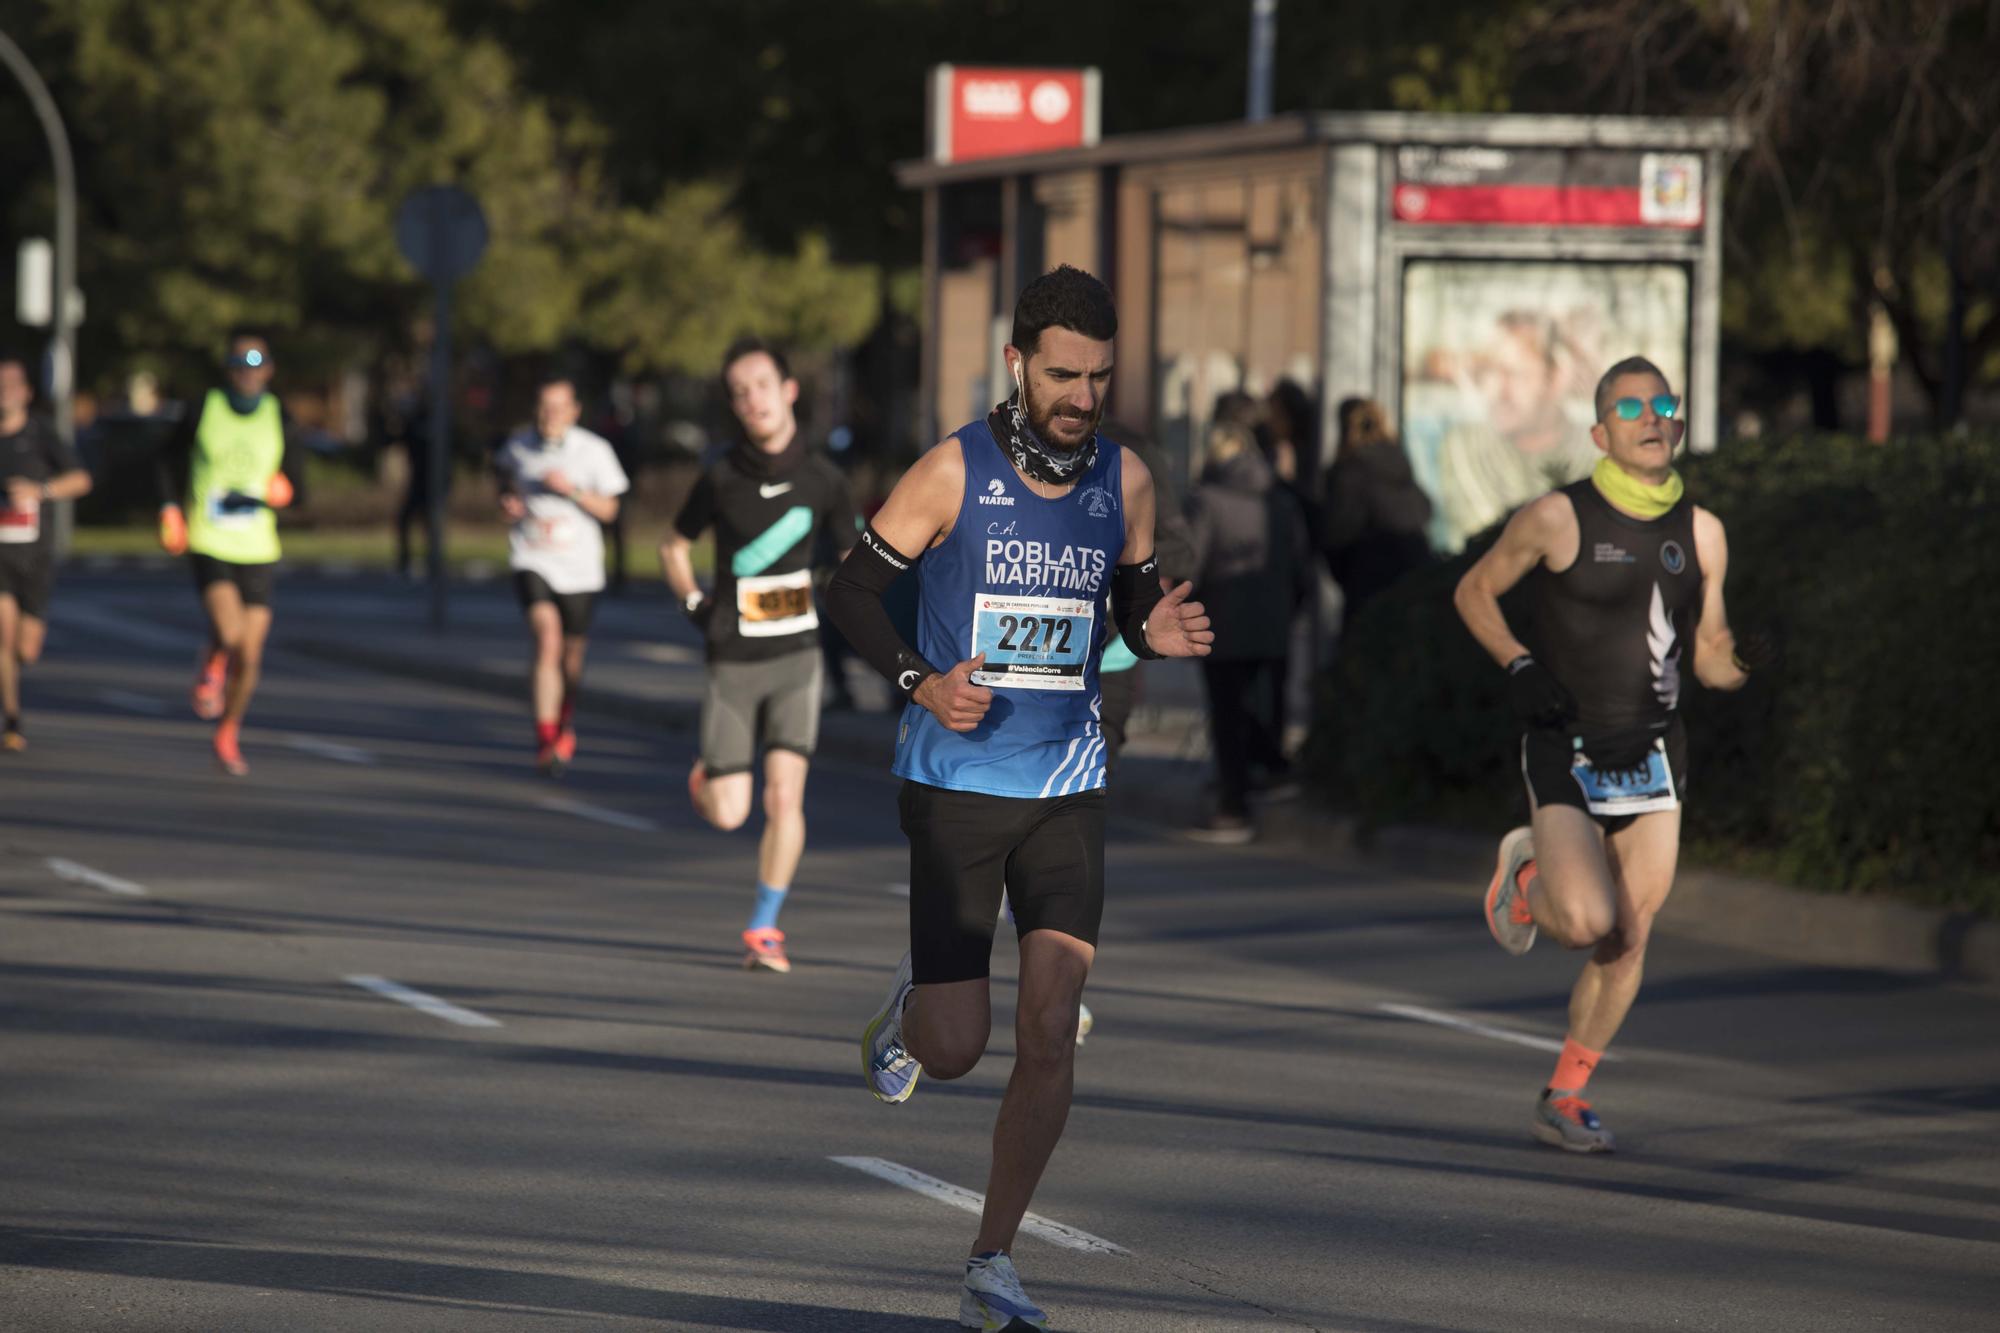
(1625, 586)
(1614, 628)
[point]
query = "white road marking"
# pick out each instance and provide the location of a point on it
(133, 703)
(900, 890)
(83, 874)
(346, 754)
(417, 999)
(562, 805)
(1467, 1025)
(1055, 1233)
(111, 625)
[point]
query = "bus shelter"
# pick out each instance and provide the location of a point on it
(1474, 274)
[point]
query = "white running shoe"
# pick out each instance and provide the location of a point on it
(1084, 1023)
(993, 1299)
(890, 1070)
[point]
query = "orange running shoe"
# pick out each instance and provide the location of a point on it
(697, 783)
(766, 950)
(228, 754)
(211, 674)
(1507, 915)
(12, 741)
(566, 746)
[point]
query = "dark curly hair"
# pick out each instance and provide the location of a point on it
(1066, 298)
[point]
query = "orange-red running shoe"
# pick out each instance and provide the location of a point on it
(211, 674)
(566, 746)
(766, 950)
(1507, 914)
(228, 754)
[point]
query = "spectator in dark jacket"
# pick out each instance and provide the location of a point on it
(1375, 512)
(1120, 674)
(1252, 569)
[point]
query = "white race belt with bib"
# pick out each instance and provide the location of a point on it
(1032, 643)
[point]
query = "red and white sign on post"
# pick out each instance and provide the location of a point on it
(988, 112)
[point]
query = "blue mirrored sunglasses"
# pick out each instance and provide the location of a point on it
(1665, 406)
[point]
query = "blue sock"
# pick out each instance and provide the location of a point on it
(765, 914)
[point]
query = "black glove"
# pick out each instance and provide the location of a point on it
(1759, 650)
(1539, 699)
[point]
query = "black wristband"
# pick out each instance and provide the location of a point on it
(1135, 591)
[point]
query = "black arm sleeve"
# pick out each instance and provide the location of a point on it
(854, 601)
(1135, 591)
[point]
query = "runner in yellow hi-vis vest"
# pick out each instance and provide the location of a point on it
(231, 462)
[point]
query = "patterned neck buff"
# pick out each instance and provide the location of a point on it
(1051, 467)
(1635, 496)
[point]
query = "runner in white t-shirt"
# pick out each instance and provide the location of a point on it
(559, 484)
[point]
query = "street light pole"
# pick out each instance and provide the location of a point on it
(62, 360)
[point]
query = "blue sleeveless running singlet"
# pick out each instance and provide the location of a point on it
(1024, 580)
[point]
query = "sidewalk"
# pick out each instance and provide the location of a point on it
(646, 666)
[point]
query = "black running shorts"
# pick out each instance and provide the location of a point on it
(965, 847)
(253, 582)
(26, 575)
(1546, 758)
(574, 608)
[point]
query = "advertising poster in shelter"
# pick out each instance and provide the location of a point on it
(1500, 359)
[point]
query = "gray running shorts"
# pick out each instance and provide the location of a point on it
(753, 706)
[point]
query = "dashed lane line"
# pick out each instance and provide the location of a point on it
(562, 805)
(83, 874)
(943, 1191)
(423, 1001)
(1456, 1023)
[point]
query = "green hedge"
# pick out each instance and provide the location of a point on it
(1868, 762)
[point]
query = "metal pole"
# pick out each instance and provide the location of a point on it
(1263, 37)
(62, 357)
(439, 461)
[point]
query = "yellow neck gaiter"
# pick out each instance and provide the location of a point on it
(1635, 496)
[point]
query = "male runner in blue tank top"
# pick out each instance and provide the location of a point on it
(1625, 574)
(1017, 525)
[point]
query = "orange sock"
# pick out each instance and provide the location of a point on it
(1522, 878)
(1573, 1066)
(225, 739)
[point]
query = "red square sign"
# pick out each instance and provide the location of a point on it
(989, 112)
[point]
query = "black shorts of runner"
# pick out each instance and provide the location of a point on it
(965, 847)
(573, 608)
(253, 582)
(1546, 758)
(27, 576)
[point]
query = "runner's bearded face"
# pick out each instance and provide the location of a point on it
(556, 411)
(1642, 446)
(1064, 384)
(761, 396)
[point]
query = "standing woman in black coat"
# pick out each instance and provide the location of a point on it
(1375, 512)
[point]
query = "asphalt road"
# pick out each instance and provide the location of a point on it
(208, 1124)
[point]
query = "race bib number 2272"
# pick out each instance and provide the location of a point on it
(1032, 643)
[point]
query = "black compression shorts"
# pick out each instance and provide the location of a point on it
(965, 847)
(574, 608)
(1546, 759)
(253, 582)
(26, 575)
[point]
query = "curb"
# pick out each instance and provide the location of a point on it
(1734, 911)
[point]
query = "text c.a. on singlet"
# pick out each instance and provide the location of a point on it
(1022, 579)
